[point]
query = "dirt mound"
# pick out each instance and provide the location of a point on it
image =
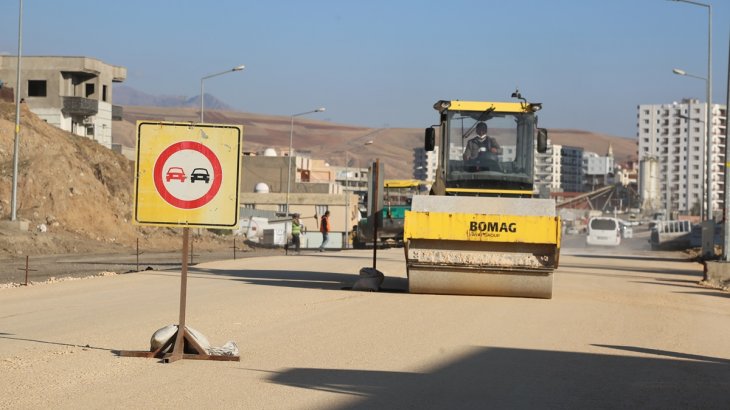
(76, 194)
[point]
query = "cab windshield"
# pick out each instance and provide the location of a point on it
(488, 150)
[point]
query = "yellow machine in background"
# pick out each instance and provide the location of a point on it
(483, 231)
(396, 195)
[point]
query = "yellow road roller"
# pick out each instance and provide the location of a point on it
(484, 230)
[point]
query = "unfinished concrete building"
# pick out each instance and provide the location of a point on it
(72, 93)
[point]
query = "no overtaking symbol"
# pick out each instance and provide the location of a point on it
(173, 179)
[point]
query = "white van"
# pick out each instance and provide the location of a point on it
(604, 231)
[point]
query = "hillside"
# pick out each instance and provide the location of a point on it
(79, 190)
(328, 141)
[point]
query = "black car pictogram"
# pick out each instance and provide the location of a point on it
(200, 174)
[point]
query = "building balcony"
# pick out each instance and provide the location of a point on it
(117, 112)
(80, 106)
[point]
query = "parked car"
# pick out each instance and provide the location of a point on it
(627, 231)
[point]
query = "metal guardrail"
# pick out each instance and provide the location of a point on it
(671, 235)
(673, 227)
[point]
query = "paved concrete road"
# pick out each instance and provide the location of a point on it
(620, 332)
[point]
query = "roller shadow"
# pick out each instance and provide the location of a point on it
(504, 378)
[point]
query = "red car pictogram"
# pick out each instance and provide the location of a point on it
(175, 173)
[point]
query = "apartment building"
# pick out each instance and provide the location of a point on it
(571, 168)
(425, 163)
(72, 93)
(674, 135)
(548, 169)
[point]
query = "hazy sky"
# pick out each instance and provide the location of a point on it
(383, 63)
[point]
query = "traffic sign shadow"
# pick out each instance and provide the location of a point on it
(301, 279)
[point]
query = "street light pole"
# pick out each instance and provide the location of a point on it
(291, 138)
(709, 215)
(16, 146)
(726, 199)
(347, 199)
(708, 220)
(202, 95)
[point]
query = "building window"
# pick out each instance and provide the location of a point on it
(37, 88)
(89, 90)
(103, 93)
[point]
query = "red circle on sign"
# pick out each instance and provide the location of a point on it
(183, 203)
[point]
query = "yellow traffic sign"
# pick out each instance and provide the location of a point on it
(187, 175)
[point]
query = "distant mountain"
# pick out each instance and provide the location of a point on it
(124, 95)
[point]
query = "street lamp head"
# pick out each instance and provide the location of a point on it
(320, 109)
(202, 89)
(679, 72)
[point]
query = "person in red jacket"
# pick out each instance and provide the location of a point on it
(324, 227)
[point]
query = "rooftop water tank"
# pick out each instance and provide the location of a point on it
(261, 188)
